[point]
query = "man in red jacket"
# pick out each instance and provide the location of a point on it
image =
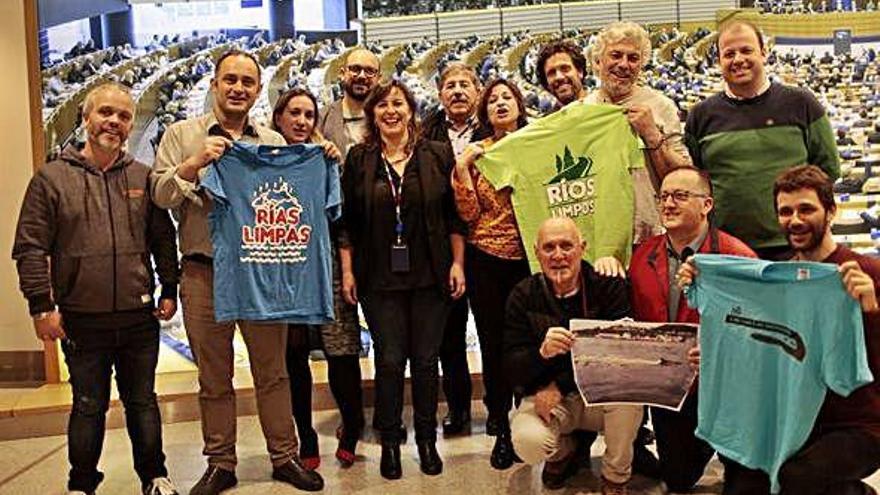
(685, 202)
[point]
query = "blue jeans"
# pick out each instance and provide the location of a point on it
(91, 357)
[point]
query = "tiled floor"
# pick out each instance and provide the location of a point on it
(39, 466)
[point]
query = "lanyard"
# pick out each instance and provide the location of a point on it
(396, 198)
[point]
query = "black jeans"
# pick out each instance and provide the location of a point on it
(344, 376)
(453, 357)
(740, 480)
(91, 358)
(683, 456)
(490, 280)
(833, 462)
(830, 463)
(406, 325)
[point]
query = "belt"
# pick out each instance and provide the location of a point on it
(199, 258)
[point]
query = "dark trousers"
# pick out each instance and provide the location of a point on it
(740, 480)
(406, 325)
(490, 280)
(344, 375)
(831, 463)
(683, 456)
(453, 358)
(91, 358)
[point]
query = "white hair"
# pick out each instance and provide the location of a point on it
(618, 32)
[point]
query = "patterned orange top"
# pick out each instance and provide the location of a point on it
(489, 214)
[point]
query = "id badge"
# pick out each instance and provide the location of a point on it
(399, 257)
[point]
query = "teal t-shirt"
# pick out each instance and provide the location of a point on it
(574, 163)
(773, 338)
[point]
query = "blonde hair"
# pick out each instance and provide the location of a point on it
(618, 32)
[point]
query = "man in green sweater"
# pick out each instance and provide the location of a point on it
(749, 133)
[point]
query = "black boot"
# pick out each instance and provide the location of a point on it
(503, 454)
(429, 459)
(456, 422)
(389, 466)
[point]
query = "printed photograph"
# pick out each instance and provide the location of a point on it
(628, 362)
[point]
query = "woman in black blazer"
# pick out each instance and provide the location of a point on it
(402, 256)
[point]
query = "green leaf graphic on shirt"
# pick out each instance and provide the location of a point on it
(569, 169)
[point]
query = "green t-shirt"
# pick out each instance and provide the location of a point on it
(574, 163)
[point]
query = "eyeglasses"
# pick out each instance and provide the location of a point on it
(678, 196)
(357, 69)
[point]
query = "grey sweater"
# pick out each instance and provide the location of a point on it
(97, 230)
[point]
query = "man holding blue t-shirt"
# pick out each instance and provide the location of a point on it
(844, 445)
(187, 150)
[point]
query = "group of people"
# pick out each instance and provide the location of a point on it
(814, 6)
(386, 8)
(423, 236)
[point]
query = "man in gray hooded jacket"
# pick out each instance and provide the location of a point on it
(86, 231)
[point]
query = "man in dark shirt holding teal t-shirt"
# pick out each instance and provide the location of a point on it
(844, 445)
(749, 133)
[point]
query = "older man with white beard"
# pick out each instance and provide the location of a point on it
(618, 55)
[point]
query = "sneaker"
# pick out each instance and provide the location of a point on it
(160, 486)
(612, 488)
(214, 481)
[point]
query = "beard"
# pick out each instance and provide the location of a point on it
(348, 88)
(107, 143)
(616, 89)
(569, 95)
(816, 231)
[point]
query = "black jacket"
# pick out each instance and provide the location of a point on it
(532, 309)
(436, 128)
(435, 162)
(98, 230)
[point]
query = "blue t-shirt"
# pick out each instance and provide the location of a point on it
(773, 338)
(270, 231)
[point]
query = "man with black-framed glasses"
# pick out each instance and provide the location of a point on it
(344, 124)
(685, 203)
(343, 121)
